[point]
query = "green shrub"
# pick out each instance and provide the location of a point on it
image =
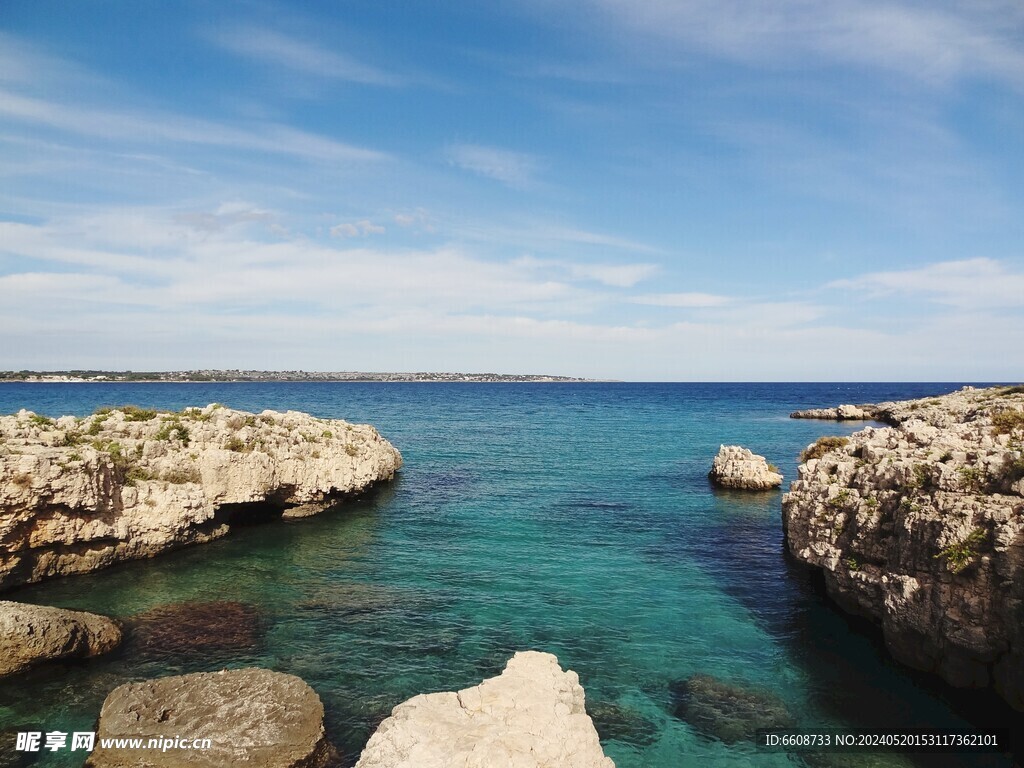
(71, 438)
(134, 413)
(852, 563)
(970, 477)
(822, 446)
(1006, 421)
(97, 423)
(134, 474)
(351, 450)
(171, 429)
(40, 421)
(840, 500)
(962, 553)
(182, 475)
(237, 445)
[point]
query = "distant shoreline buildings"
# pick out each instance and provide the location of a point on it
(202, 376)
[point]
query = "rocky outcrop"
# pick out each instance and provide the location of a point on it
(839, 413)
(34, 634)
(920, 526)
(531, 716)
(77, 495)
(252, 717)
(736, 467)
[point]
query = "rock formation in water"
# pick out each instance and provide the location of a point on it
(728, 712)
(839, 413)
(35, 634)
(736, 467)
(252, 717)
(189, 630)
(77, 495)
(920, 526)
(530, 716)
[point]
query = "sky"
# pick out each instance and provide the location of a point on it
(645, 190)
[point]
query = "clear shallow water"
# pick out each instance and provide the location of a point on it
(575, 519)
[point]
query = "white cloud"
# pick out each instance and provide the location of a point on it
(357, 229)
(514, 169)
(135, 127)
(690, 300)
(918, 40)
(301, 56)
(967, 284)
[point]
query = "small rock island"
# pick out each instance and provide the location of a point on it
(920, 527)
(738, 468)
(77, 495)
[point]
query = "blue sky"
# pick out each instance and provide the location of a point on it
(630, 189)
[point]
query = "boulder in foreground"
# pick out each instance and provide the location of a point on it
(252, 717)
(34, 634)
(738, 468)
(532, 715)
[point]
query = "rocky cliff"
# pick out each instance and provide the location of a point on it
(532, 715)
(920, 526)
(77, 495)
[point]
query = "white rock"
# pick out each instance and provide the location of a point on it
(131, 484)
(531, 716)
(737, 467)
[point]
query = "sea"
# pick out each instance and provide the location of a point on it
(573, 518)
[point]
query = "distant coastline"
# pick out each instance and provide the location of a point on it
(229, 376)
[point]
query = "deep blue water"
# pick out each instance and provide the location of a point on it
(571, 518)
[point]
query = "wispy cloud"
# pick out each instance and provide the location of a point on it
(515, 169)
(688, 300)
(967, 284)
(357, 229)
(612, 275)
(921, 41)
(303, 56)
(145, 127)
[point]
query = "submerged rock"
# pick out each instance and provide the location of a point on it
(530, 716)
(34, 634)
(736, 467)
(920, 527)
(77, 495)
(196, 629)
(252, 717)
(726, 711)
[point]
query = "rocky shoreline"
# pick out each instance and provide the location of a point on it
(920, 527)
(82, 494)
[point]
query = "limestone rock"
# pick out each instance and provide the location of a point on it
(33, 634)
(252, 717)
(77, 495)
(531, 716)
(839, 413)
(736, 467)
(920, 526)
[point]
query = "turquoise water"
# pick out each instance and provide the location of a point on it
(575, 519)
